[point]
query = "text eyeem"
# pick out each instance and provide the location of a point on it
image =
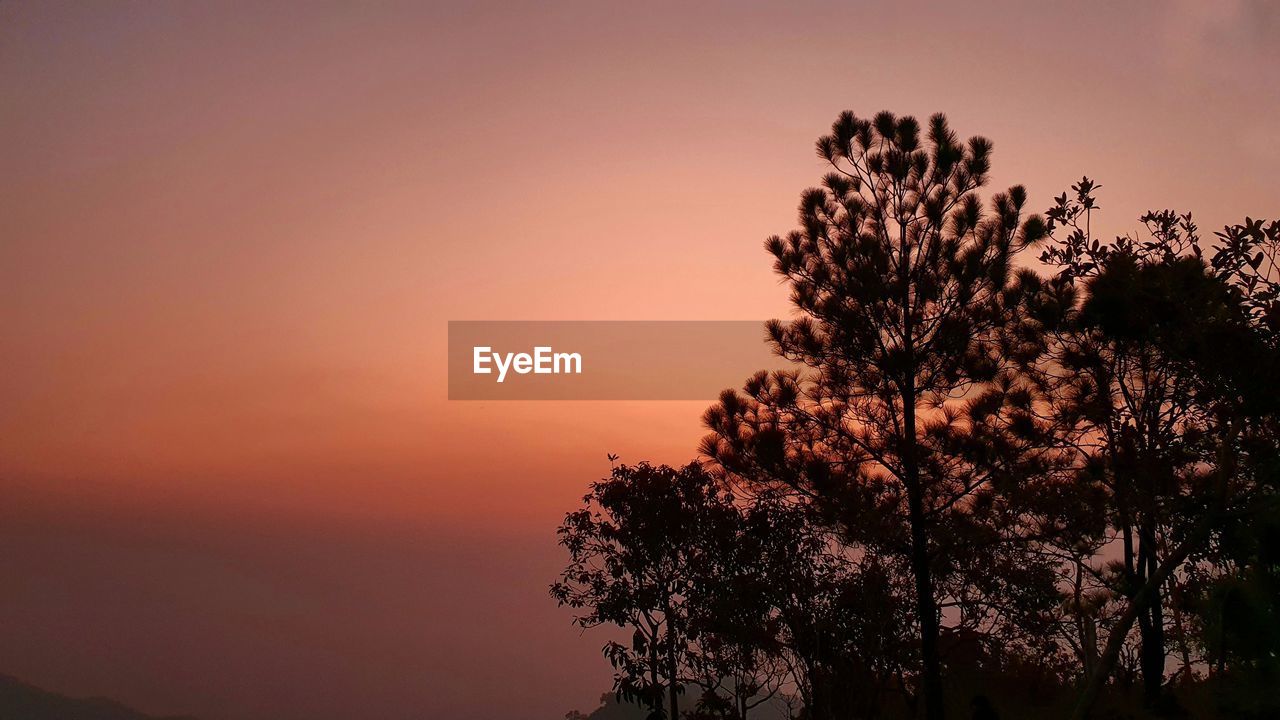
(543, 361)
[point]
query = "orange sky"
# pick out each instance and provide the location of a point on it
(231, 240)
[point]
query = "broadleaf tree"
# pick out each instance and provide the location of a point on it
(633, 547)
(1151, 357)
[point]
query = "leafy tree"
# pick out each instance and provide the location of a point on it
(739, 638)
(1131, 339)
(1020, 481)
(632, 547)
(1248, 258)
(828, 620)
(1239, 602)
(900, 278)
(1239, 613)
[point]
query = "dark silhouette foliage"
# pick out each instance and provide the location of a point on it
(988, 490)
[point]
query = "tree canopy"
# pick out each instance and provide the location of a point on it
(1050, 474)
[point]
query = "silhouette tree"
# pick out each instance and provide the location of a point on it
(823, 619)
(1023, 482)
(847, 630)
(1238, 603)
(1239, 615)
(1133, 333)
(1247, 257)
(632, 547)
(738, 636)
(900, 279)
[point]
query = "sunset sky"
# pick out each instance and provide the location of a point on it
(232, 235)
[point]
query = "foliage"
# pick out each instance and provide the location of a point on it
(901, 280)
(1044, 484)
(632, 548)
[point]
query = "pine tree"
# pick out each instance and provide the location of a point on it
(901, 280)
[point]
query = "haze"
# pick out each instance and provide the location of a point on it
(231, 484)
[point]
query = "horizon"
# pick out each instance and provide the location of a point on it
(234, 485)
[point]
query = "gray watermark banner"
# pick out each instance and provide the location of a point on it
(604, 359)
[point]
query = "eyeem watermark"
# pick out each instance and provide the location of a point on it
(543, 361)
(604, 360)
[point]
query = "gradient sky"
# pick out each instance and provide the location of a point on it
(231, 236)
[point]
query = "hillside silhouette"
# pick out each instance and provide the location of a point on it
(23, 701)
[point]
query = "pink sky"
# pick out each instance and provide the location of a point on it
(232, 236)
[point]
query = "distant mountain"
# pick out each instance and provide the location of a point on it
(20, 701)
(610, 709)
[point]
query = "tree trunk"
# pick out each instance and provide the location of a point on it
(1153, 649)
(926, 606)
(674, 684)
(1090, 642)
(1138, 605)
(655, 669)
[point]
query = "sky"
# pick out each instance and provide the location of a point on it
(232, 236)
